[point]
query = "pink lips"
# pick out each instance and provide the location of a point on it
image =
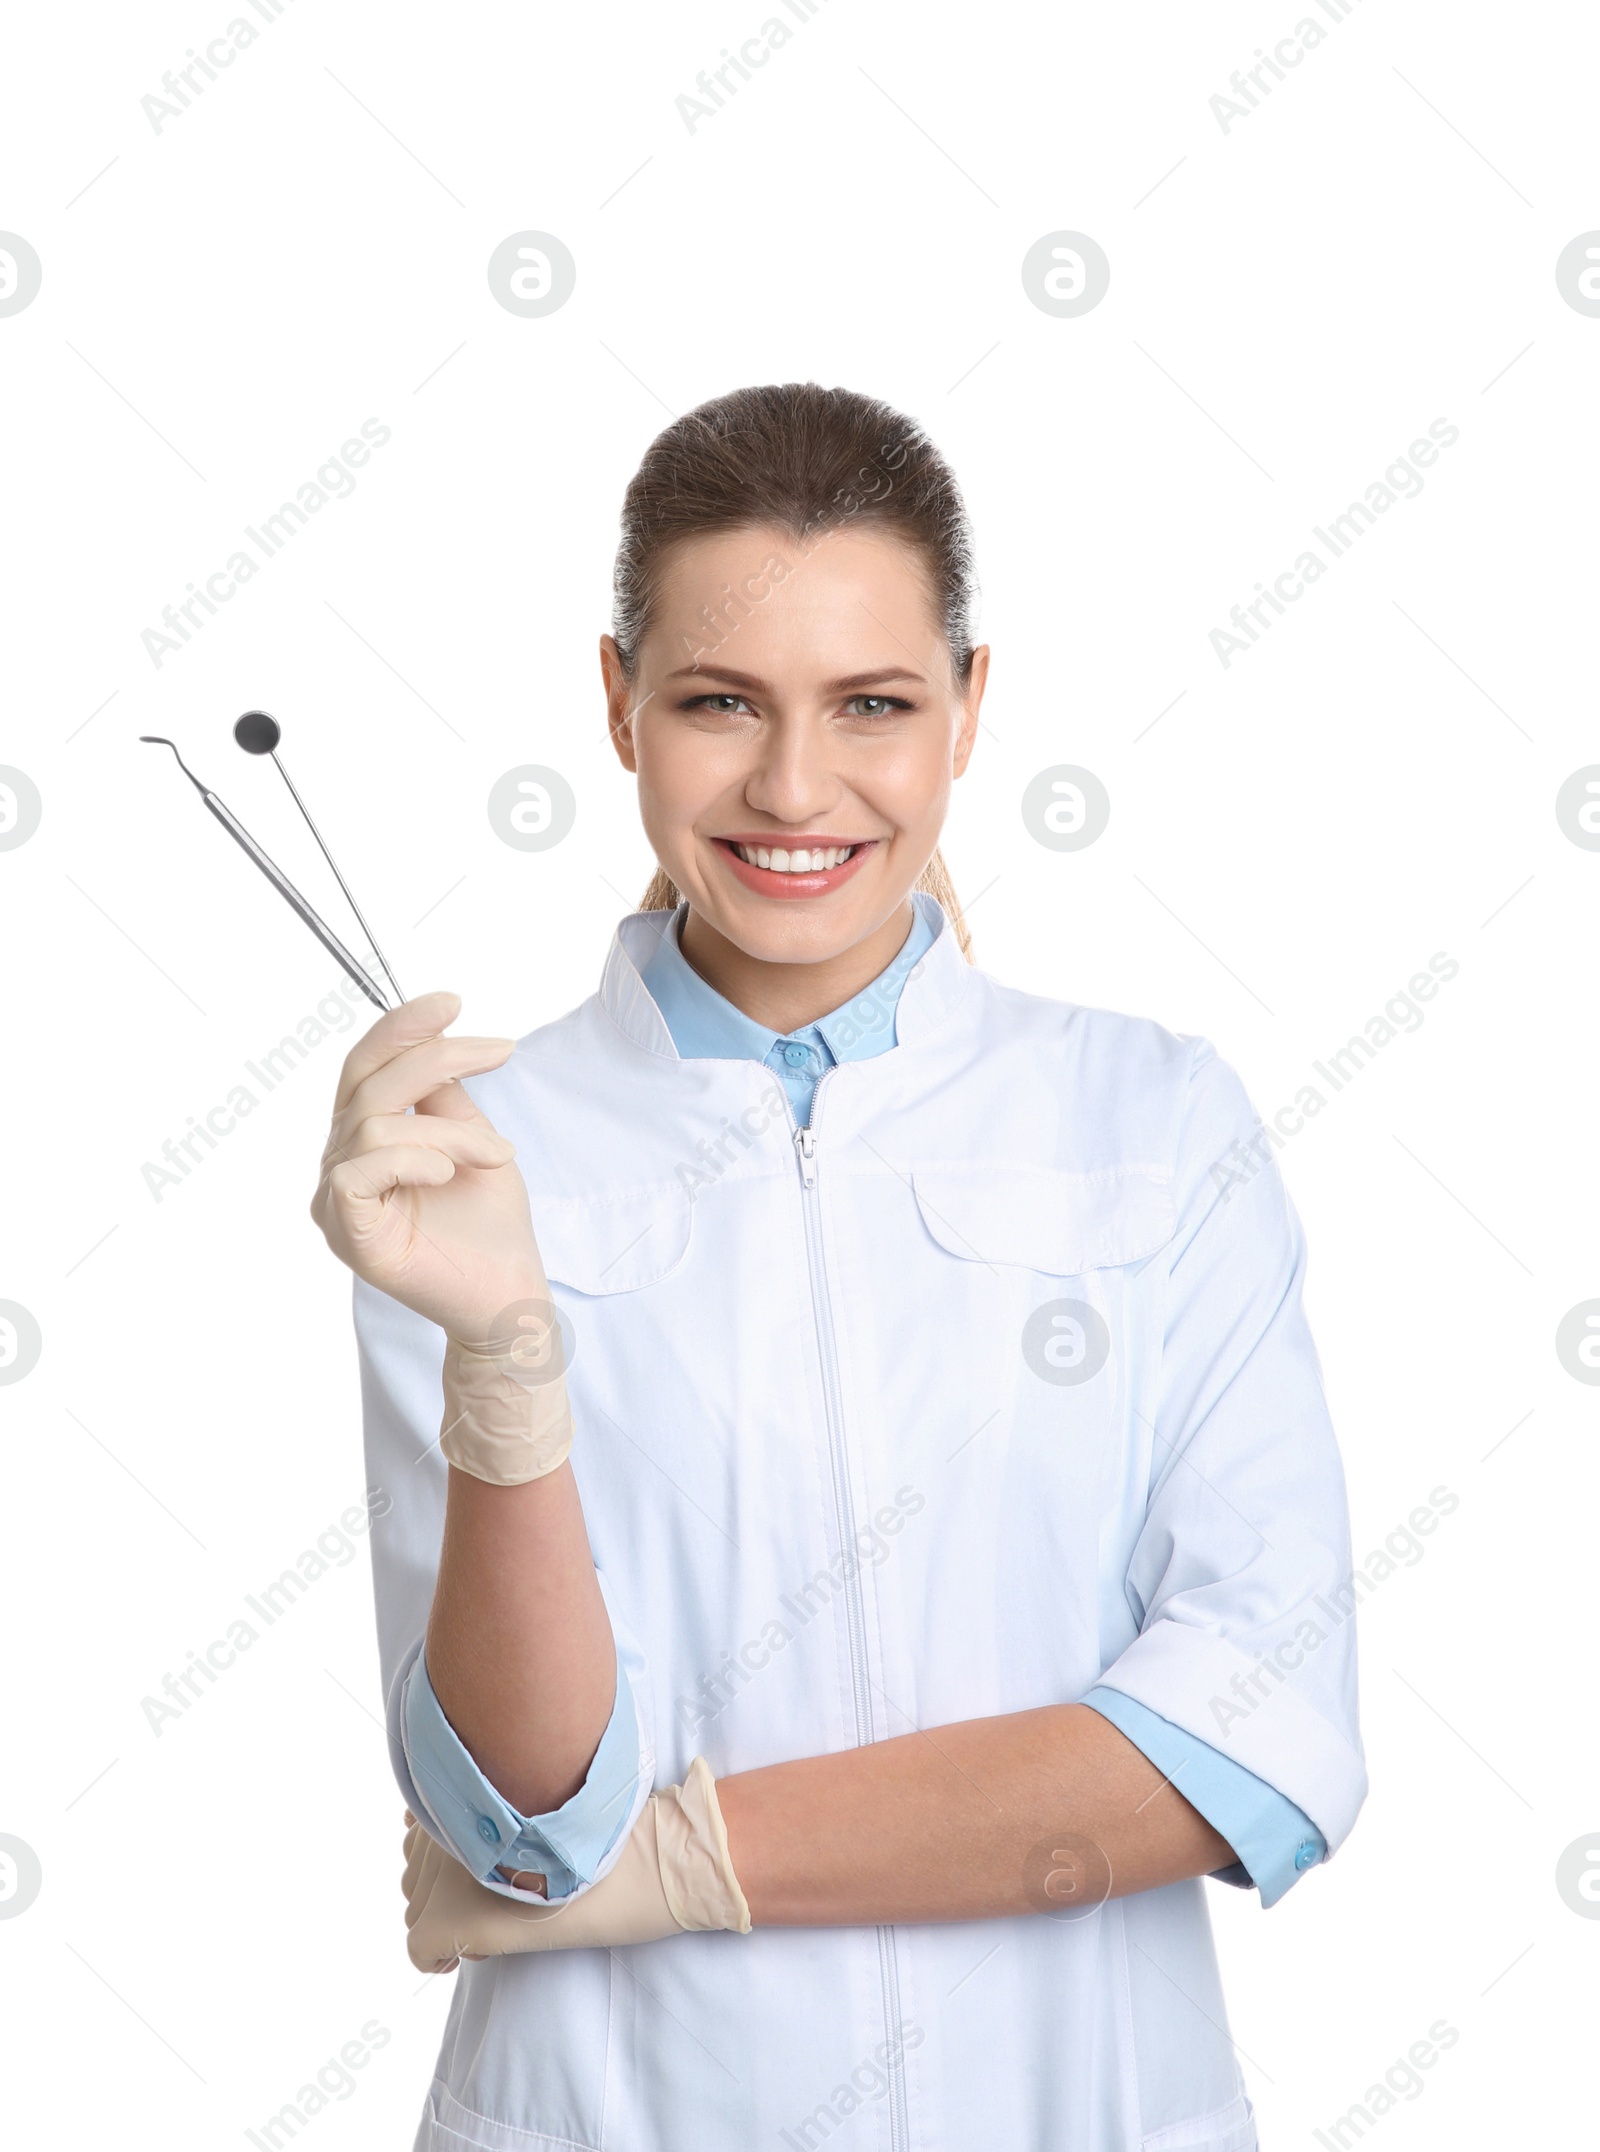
(768, 884)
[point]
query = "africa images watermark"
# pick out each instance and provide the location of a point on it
(1403, 480)
(1401, 1549)
(1401, 2081)
(333, 2082)
(872, 1011)
(1400, 1013)
(181, 84)
(738, 1669)
(869, 2080)
(715, 1154)
(1288, 52)
(755, 52)
(335, 1012)
(335, 481)
(334, 1548)
(721, 617)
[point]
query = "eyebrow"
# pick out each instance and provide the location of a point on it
(852, 683)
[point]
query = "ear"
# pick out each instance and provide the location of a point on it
(619, 703)
(971, 703)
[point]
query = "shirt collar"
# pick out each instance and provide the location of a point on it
(865, 1025)
(934, 980)
(704, 1024)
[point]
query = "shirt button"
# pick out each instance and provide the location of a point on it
(489, 1830)
(796, 1055)
(1305, 1855)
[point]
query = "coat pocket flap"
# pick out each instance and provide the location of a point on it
(1046, 1219)
(613, 1243)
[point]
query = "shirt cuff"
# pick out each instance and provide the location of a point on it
(485, 1832)
(1275, 1841)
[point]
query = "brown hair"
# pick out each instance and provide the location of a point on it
(808, 461)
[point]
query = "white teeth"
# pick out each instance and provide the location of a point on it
(815, 861)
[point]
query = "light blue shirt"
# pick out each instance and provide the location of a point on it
(706, 1027)
(1275, 1841)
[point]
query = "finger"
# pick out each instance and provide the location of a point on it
(425, 1964)
(417, 1840)
(427, 1066)
(422, 1872)
(450, 1102)
(358, 1188)
(394, 1031)
(469, 1143)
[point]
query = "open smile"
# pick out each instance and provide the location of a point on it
(804, 866)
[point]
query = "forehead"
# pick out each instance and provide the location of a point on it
(829, 602)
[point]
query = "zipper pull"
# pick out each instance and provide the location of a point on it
(805, 1142)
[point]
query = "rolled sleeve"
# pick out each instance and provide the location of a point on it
(1276, 1842)
(1240, 1576)
(568, 1846)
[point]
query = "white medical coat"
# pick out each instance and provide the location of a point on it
(838, 1486)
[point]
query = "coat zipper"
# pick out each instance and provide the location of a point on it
(805, 1143)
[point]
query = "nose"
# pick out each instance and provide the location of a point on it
(792, 781)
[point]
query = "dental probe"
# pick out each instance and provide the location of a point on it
(259, 734)
(279, 880)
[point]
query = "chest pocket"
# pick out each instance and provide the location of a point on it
(613, 1242)
(1046, 1299)
(1042, 1218)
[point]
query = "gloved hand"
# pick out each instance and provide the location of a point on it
(428, 1205)
(674, 1876)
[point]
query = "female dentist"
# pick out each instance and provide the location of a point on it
(866, 1534)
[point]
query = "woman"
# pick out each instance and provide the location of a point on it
(945, 1574)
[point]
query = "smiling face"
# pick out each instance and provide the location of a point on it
(795, 725)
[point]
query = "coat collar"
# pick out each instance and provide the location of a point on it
(932, 991)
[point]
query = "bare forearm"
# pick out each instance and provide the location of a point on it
(519, 1644)
(961, 1823)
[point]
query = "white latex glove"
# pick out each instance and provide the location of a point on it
(674, 1876)
(427, 1205)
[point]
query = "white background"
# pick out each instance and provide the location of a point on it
(1292, 837)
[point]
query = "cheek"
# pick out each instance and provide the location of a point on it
(686, 780)
(907, 780)
(684, 773)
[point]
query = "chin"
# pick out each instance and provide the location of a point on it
(797, 931)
